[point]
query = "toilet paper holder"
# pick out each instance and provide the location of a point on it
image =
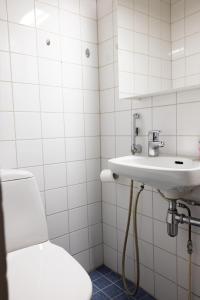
(108, 176)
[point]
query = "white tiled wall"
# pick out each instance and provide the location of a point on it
(185, 19)
(49, 114)
(163, 259)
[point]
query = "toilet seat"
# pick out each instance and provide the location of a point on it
(46, 272)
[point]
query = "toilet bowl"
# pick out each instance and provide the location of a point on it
(37, 269)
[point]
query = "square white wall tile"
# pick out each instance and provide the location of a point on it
(71, 75)
(93, 191)
(78, 218)
(4, 43)
(94, 213)
(92, 60)
(47, 17)
(71, 54)
(5, 72)
(164, 119)
(110, 236)
(77, 195)
(51, 99)
(92, 124)
(55, 176)
(56, 200)
(73, 100)
(46, 50)
(91, 101)
(90, 78)
(53, 150)
(7, 126)
(74, 125)
(183, 126)
(109, 214)
(95, 235)
(49, 72)
(76, 172)
(57, 224)
(96, 256)
(123, 123)
(88, 8)
(107, 101)
(18, 13)
(88, 30)
(8, 154)
(165, 263)
(92, 145)
(79, 240)
(22, 39)
(52, 125)
(26, 97)
(29, 153)
(165, 288)
(28, 125)
(24, 68)
(3, 10)
(75, 149)
(6, 103)
(69, 22)
(107, 146)
(92, 169)
(108, 124)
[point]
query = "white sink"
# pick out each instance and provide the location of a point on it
(175, 176)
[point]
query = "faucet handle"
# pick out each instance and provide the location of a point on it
(154, 135)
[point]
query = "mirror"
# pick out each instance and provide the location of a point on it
(158, 46)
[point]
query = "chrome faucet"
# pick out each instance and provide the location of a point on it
(154, 144)
(135, 148)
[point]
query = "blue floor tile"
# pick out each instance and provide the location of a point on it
(114, 277)
(140, 294)
(124, 297)
(95, 289)
(102, 282)
(100, 296)
(108, 285)
(104, 270)
(112, 291)
(130, 285)
(95, 275)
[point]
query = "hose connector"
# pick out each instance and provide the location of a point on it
(189, 247)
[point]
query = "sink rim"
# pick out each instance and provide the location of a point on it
(131, 161)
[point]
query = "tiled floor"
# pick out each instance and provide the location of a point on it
(108, 285)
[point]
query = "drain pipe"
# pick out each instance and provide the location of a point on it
(174, 218)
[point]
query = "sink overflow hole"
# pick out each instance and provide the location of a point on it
(179, 162)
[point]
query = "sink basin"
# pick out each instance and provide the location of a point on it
(175, 176)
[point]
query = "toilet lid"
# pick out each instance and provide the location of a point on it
(46, 272)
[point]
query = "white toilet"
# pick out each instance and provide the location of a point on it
(37, 269)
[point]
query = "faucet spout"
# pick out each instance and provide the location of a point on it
(154, 144)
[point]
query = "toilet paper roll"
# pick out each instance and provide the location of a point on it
(107, 176)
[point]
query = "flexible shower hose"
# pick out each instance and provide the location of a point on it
(132, 293)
